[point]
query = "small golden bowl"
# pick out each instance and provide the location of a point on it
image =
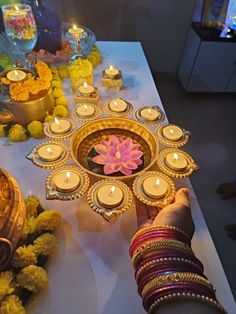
(109, 112)
(156, 122)
(191, 167)
(58, 137)
(144, 198)
(92, 133)
(181, 142)
(79, 119)
(53, 194)
(109, 214)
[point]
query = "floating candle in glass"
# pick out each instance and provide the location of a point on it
(149, 114)
(16, 75)
(60, 126)
(16, 11)
(176, 161)
(50, 152)
(111, 71)
(86, 90)
(155, 186)
(76, 31)
(85, 111)
(172, 133)
(67, 181)
(110, 196)
(118, 105)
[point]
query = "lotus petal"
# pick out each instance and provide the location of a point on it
(130, 165)
(102, 160)
(101, 149)
(136, 154)
(125, 171)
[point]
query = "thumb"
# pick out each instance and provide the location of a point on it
(181, 197)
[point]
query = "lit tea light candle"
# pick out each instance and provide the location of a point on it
(16, 75)
(67, 181)
(86, 90)
(50, 152)
(110, 196)
(155, 187)
(85, 111)
(16, 11)
(60, 126)
(149, 114)
(172, 133)
(118, 105)
(176, 161)
(111, 71)
(76, 31)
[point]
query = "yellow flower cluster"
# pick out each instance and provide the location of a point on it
(6, 284)
(32, 203)
(35, 128)
(95, 56)
(17, 133)
(12, 304)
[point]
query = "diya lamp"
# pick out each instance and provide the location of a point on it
(87, 94)
(16, 75)
(117, 107)
(66, 183)
(172, 135)
(110, 198)
(176, 163)
(150, 115)
(59, 128)
(86, 112)
(49, 155)
(112, 77)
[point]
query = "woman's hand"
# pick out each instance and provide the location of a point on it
(177, 214)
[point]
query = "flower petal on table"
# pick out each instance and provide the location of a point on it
(101, 149)
(136, 154)
(102, 160)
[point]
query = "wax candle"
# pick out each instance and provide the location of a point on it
(60, 126)
(50, 152)
(176, 161)
(112, 71)
(67, 181)
(155, 187)
(118, 105)
(76, 31)
(172, 133)
(110, 196)
(16, 75)
(149, 114)
(85, 111)
(86, 90)
(16, 11)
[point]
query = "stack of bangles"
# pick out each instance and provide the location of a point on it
(167, 270)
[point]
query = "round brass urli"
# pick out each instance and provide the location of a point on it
(52, 193)
(111, 113)
(77, 118)
(109, 214)
(144, 198)
(59, 137)
(191, 167)
(33, 156)
(181, 142)
(156, 122)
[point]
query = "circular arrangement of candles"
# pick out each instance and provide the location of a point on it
(86, 89)
(67, 183)
(176, 163)
(50, 152)
(16, 75)
(111, 71)
(60, 126)
(110, 198)
(149, 114)
(118, 105)
(154, 189)
(86, 110)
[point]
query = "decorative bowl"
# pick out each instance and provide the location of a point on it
(92, 133)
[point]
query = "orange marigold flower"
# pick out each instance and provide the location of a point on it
(4, 80)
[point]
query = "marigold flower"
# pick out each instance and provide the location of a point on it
(32, 278)
(6, 284)
(12, 305)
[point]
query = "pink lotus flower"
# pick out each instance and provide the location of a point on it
(118, 154)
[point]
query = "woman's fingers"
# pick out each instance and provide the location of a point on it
(181, 197)
(145, 214)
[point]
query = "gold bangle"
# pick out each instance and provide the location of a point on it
(160, 244)
(168, 227)
(164, 260)
(186, 296)
(174, 278)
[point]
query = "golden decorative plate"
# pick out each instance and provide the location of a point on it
(161, 202)
(156, 122)
(109, 112)
(77, 118)
(181, 142)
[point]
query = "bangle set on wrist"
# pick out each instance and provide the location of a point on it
(166, 268)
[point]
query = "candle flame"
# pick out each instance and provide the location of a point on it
(115, 103)
(176, 156)
(157, 181)
(16, 74)
(149, 111)
(111, 67)
(85, 85)
(171, 131)
(67, 176)
(16, 7)
(85, 107)
(57, 121)
(74, 27)
(113, 189)
(49, 150)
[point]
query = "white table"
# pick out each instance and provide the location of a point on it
(92, 272)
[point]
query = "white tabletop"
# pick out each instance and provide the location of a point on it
(91, 273)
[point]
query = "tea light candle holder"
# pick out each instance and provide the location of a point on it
(66, 183)
(86, 112)
(112, 77)
(154, 189)
(117, 107)
(150, 115)
(16, 75)
(176, 163)
(87, 94)
(49, 155)
(59, 128)
(110, 198)
(172, 135)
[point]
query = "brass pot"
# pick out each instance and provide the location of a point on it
(11, 220)
(94, 132)
(26, 111)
